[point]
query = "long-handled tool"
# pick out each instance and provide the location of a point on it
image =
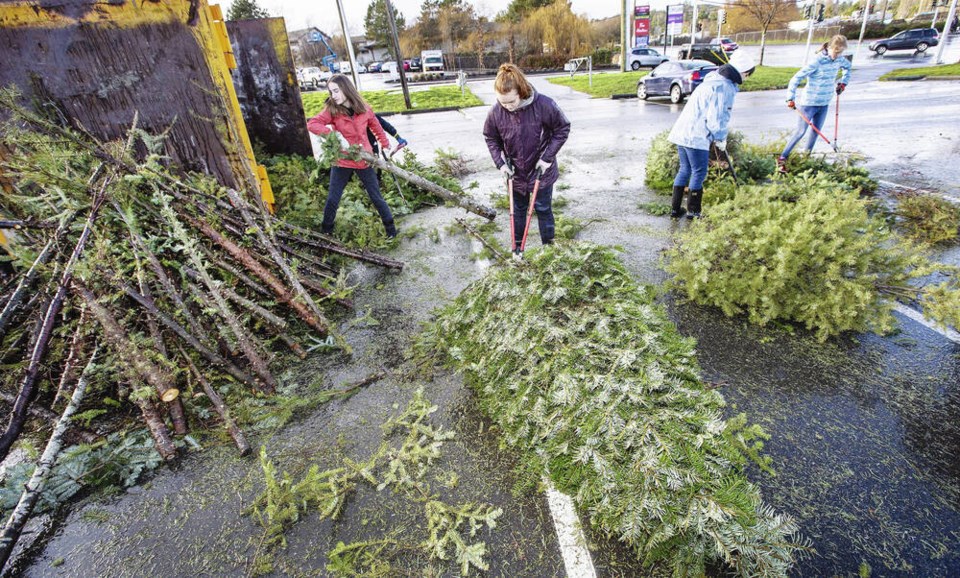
(729, 162)
(395, 181)
(836, 123)
(817, 130)
(533, 201)
(513, 236)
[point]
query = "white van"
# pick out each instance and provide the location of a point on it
(431, 60)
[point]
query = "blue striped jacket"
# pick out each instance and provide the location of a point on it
(821, 75)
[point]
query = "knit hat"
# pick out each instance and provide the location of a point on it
(743, 62)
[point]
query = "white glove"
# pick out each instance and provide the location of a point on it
(542, 166)
(344, 144)
(720, 144)
(506, 170)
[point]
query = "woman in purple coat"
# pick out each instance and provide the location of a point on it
(524, 131)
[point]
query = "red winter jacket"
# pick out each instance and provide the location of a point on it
(353, 128)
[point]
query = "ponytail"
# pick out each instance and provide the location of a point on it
(509, 77)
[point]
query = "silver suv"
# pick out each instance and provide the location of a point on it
(918, 39)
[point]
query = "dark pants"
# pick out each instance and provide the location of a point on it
(339, 177)
(544, 208)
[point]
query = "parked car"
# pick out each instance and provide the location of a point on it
(374, 66)
(645, 57)
(918, 39)
(311, 77)
(676, 79)
(709, 52)
(416, 64)
(725, 43)
(406, 65)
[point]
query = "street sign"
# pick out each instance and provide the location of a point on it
(641, 25)
(674, 19)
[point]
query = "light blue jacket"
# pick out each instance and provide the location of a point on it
(705, 117)
(821, 75)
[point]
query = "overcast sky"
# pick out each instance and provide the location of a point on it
(323, 13)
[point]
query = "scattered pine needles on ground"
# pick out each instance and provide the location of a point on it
(587, 377)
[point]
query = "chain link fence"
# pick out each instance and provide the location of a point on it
(820, 34)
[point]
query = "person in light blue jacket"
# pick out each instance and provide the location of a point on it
(703, 121)
(822, 84)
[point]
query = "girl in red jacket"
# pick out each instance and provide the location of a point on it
(349, 116)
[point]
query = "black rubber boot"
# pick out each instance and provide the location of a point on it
(676, 211)
(693, 204)
(391, 229)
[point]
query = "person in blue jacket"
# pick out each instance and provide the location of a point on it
(822, 84)
(703, 121)
(387, 128)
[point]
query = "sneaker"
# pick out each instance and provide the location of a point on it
(781, 165)
(517, 254)
(678, 213)
(693, 215)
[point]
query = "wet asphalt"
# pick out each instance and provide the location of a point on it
(865, 429)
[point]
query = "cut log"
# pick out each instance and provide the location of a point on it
(460, 200)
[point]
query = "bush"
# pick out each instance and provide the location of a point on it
(928, 219)
(805, 250)
(584, 373)
(543, 62)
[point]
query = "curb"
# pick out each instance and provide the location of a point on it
(426, 110)
(903, 78)
(623, 96)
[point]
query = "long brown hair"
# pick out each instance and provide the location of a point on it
(509, 77)
(353, 99)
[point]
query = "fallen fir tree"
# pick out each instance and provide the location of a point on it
(806, 250)
(584, 374)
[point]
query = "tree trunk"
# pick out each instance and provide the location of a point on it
(34, 487)
(462, 201)
(18, 416)
(172, 325)
(235, 432)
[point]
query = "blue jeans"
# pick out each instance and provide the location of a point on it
(693, 168)
(816, 115)
(544, 208)
(339, 177)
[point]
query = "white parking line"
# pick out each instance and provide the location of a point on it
(919, 318)
(573, 544)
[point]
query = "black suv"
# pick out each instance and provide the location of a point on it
(918, 39)
(709, 52)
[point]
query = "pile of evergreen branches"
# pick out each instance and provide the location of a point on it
(134, 291)
(805, 249)
(585, 375)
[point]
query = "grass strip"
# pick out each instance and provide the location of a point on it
(392, 100)
(609, 83)
(924, 71)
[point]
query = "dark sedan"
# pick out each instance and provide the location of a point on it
(675, 79)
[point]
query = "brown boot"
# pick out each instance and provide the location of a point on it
(781, 165)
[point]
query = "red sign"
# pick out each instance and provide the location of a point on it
(641, 27)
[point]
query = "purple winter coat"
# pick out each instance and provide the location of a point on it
(533, 132)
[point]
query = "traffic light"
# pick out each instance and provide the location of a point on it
(820, 9)
(807, 12)
(722, 15)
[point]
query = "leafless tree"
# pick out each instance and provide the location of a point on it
(767, 13)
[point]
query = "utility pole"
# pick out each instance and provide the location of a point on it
(806, 52)
(623, 35)
(693, 25)
(346, 38)
(863, 30)
(946, 31)
(396, 52)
